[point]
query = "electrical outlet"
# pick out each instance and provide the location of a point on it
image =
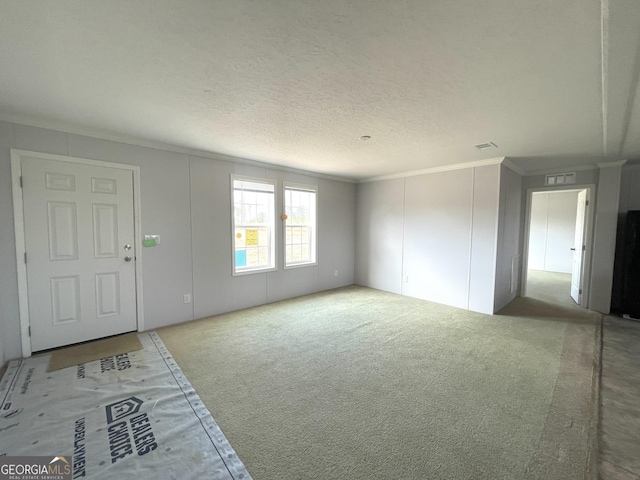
(405, 279)
(187, 298)
(335, 273)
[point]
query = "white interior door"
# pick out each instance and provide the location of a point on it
(579, 248)
(79, 239)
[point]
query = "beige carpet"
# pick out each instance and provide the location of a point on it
(90, 351)
(575, 395)
(356, 383)
(619, 408)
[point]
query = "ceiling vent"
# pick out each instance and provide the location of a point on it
(484, 146)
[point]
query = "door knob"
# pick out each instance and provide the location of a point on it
(127, 259)
(573, 249)
(127, 247)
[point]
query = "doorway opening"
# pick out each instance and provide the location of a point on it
(558, 245)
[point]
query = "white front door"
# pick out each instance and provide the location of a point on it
(579, 248)
(80, 251)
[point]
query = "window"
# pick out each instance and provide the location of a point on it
(253, 225)
(300, 225)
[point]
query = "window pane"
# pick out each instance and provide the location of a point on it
(240, 238)
(252, 257)
(296, 236)
(241, 258)
(300, 241)
(250, 198)
(263, 256)
(254, 225)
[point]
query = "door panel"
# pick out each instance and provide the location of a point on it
(105, 230)
(65, 299)
(107, 294)
(62, 220)
(578, 248)
(78, 218)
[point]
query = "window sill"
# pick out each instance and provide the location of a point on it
(300, 265)
(249, 272)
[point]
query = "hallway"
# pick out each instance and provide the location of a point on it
(551, 287)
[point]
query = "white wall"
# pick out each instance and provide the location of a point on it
(552, 232)
(509, 259)
(437, 237)
(379, 233)
(184, 199)
(604, 238)
(215, 290)
(433, 236)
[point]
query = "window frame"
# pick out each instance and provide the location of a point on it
(314, 228)
(274, 237)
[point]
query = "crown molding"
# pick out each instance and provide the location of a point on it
(549, 171)
(507, 162)
(101, 134)
(429, 171)
(619, 163)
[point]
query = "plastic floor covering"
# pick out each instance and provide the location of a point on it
(134, 415)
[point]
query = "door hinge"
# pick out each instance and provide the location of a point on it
(21, 182)
(580, 292)
(584, 247)
(29, 330)
(587, 203)
(25, 257)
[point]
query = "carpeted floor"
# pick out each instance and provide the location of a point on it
(357, 383)
(553, 288)
(572, 419)
(619, 408)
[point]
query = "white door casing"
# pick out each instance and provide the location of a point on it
(74, 220)
(588, 221)
(579, 248)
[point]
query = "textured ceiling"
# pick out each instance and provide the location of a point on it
(297, 83)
